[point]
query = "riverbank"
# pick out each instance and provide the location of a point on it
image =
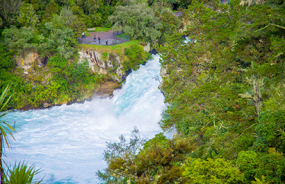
(60, 81)
(105, 90)
(55, 139)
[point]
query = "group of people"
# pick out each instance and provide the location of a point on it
(95, 38)
(99, 39)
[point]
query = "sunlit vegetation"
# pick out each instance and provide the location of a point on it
(224, 93)
(59, 82)
(100, 29)
(50, 29)
(224, 87)
(116, 49)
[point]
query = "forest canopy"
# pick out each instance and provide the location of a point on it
(224, 88)
(49, 29)
(224, 85)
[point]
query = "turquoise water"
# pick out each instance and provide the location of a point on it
(67, 141)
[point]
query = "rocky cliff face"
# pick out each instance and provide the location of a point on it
(26, 61)
(104, 63)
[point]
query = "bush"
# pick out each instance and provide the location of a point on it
(136, 56)
(216, 171)
(21, 173)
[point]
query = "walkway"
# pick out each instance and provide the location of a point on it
(178, 14)
(110, 35)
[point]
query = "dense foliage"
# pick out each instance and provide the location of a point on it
(141, 21)
(224, 87)
(59, 82)
(49, 29)
(138, 21)
(136, 55)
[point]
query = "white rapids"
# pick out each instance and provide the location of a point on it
(67, 142)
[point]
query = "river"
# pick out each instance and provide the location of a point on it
(67, 142)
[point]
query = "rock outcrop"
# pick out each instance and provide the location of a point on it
(104, 63)
(26, 61)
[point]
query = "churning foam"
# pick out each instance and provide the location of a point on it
(67, 141)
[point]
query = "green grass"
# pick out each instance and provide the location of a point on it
(123, 36)
(118, 49)
(101, 29)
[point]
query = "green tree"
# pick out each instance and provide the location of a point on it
(67, 15)
(258, 164)
(50, 10)
(138, 21)
(262, 181)
(92, 6)
(224, 89)
(66, 19)
(58, 22)
(60, 41)
(170, 23)
(27, 17)
(78, 26)
(96, 19)
(158, 162)
(136, 56)
(20, 41)
(216, 171)
(270, 132)
(247, 162)
(76, 10)
(7, 62)
(206, 77)
(223, 85)
(35, 4)
(9, 9)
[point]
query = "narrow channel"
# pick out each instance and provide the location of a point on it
(67, 142)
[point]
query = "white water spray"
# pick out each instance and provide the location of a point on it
(67, 141)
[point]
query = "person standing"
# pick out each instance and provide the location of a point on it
(95, 38)
(99, 39)
(106, 41)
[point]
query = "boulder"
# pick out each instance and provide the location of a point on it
(153, 51)
(147, 47)
(102, 66)
(27, 59)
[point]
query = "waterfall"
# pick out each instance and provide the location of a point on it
(67, 142)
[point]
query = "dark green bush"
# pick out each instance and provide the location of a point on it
(136, 56)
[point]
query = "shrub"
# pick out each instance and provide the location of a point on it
(136, 55)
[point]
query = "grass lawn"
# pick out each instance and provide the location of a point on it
(101, 29)
(123, 36)
(118, 49)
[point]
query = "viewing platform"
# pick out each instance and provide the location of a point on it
(113, 37)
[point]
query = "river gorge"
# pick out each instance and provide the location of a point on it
(67, 142)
